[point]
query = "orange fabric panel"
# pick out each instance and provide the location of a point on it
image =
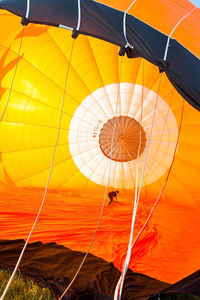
(166, 250)
(163, 15)
(188, 33)
(169, 248)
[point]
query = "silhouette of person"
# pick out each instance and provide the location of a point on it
(113, 196)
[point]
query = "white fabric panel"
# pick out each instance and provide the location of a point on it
(96, 109)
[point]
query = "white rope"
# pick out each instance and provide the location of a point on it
(137, 175)
(130, 6)
(138, 154)
(169, 37)
(79, 15)
(28, 8)
(105, 195)
(65, 27)
(165, 183)
(124, 26)
(44, 197)
(119, 287)
(78, 22)
(13, 78)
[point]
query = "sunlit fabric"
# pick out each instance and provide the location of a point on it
(105, 134)
(101, 131)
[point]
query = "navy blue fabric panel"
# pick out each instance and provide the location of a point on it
(149, 42)
(54, 12)
(184, 72)
(17, 7)
(102, 21)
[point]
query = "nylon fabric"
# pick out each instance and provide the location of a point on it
(128, 255)
(80, 171)
(46, 188)
(103, 203)
(149, 39)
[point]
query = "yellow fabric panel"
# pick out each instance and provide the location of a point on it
(30, 123)
(29, 129)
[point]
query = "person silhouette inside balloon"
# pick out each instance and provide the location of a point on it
(113, 196)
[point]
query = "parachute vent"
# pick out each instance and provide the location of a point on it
(126, 141)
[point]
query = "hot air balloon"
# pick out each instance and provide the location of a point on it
(79, 120)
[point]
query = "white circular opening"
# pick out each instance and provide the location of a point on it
(100, 107)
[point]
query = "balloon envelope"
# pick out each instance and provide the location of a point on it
(107, 121)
